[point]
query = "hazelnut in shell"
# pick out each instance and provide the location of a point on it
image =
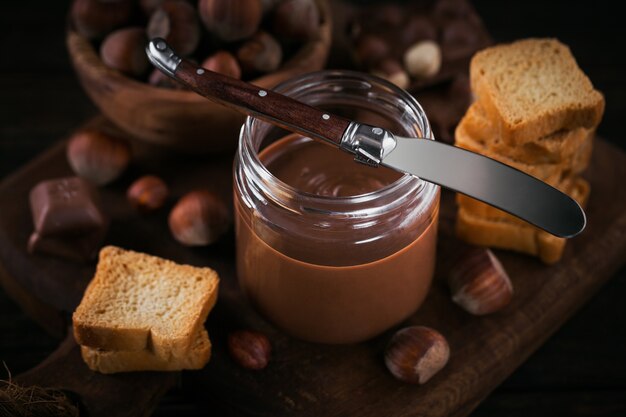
(223, 62)
(250, 349)
(479, 283)
(124, 50)
(369, 50)
(296, 19)
(147, 193)
(231, 20)
(199, 218)
(177, 23)
(97, 157)
(415, 354)
(95, 18)
(260, 53)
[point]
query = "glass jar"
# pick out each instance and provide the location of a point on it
(326, 268)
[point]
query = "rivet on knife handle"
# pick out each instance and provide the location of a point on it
(255, 101)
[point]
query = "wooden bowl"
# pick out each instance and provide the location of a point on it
(180, 119)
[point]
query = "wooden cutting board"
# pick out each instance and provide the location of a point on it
(304, 379)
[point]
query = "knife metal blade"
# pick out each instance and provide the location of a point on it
(489, 181)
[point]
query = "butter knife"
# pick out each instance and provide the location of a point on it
(466, 172)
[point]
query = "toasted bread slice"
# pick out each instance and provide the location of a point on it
(484, 225)
(137, 301)
(552, 173)
(555, 148)
(533, 88)
(113, 361)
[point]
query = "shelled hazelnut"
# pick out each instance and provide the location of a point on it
(392, 71)
(124, 50)
(423, 59)
(231, 20)
(147, 193)
(415, 354)
(479, 283)
(296, 19)
(250, 349)
(260, 53)
(177, 23)
(95, 18)
(223, 62)
(199, 218)
(97, 156)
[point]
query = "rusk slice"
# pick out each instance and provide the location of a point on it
(552, 173)
(477, 224)
(137, 301)
(112, 361)
(533, 88)
(555, 148)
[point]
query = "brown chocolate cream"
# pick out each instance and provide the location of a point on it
(333, 273)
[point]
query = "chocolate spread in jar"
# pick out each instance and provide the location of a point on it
(329, 290)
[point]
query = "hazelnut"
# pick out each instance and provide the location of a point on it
(459, 39)
(479, 283)
(149, 6)
(95, 18)
(369, 50)
(231, 20)
(147, 193)
(269, 5)
(124, 50)
(250, 349)
(423, 59)
(159, 79)
(416, 353)
(97, 156)
(418, 28)
(260, 53)
(451, 9)
(391, 70)
(224, 63)
(391, 15)
(296, 19)
(199, 218)
(177, 23)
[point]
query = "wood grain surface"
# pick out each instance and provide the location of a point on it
(309, 379)
(579, 371)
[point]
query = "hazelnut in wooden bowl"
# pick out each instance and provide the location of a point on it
(112, 70)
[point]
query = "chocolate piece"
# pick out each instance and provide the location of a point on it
(68, 219)
(65, 206)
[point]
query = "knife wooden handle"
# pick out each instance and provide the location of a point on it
(262, 103)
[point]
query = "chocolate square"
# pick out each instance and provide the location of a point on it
(65, 206)
(68, 219)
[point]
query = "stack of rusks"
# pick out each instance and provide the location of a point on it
(535, 110)
(144, 313)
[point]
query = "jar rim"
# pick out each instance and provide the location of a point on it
(281, 190)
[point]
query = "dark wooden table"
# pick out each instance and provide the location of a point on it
(580, 371)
